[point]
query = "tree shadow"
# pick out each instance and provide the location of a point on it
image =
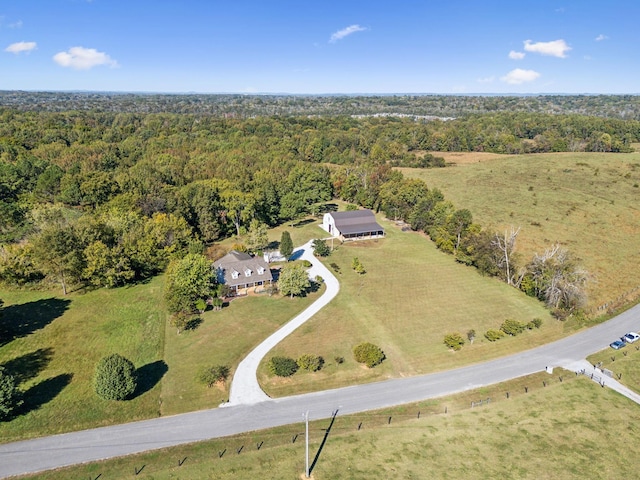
(21, 320)
(30, 365)
(149, 375)
(324, 440)
(328, 207)
(296, 255)
(302, 223)
(44, 392)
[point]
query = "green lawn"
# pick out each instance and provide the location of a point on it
(58, 341)
(410, 297)
(57, 344)
(567, 430)
(588, 202)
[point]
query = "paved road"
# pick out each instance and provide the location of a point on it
(244, 387)
(85, 446)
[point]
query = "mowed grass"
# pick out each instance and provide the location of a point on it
(224, 338)
(57, 344)
(60, 340)
(587, 202)
(567, 430)
(410, 297)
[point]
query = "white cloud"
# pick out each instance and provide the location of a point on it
(340, 34)
(20, 47)
(601, 37)
(17, 24)
(519, 76)
(486, 79)
(555, 48)
(81, 58)
(513, 55)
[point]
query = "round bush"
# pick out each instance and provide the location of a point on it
(454, 341)
(493, 335)
(309, 362)
(512, 327)
(115, 378)
(369, 354)
(282, 366)
(212, 375)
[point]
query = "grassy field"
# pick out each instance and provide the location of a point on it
(587, 202)
(56, 341)
(624, 363)
(567, 430)
(410, 297)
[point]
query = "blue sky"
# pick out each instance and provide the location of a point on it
(321, 46)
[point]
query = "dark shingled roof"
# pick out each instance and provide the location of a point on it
(356, 221)
(239, 262)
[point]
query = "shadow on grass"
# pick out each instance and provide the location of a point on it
(296, 255)
(21, 320)
(149, 375)
(30, 365)
(44, 392)
(304, 222)
(324, 440)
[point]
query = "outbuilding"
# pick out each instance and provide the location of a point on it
(352, 225)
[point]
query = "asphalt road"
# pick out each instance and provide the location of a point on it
(89, 445)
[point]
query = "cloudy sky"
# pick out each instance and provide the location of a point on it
(328, 46)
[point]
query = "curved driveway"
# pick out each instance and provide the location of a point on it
(244, 387)
(85, 446)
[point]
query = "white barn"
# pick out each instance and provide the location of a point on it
(352, 225)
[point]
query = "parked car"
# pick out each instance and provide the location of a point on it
(631, 337)
(617, 345)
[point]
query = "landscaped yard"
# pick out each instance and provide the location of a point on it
(410, 297)
(587, 202)
(59, 340)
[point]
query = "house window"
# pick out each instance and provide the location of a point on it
(234, 274)
(247, 272)
(260, 270)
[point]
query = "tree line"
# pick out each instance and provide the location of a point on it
(106, 199)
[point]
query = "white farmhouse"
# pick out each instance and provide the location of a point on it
(352, 225)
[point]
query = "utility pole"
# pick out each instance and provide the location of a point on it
(306, 447)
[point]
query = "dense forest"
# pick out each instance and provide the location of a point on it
(105, 198)
(245, 106)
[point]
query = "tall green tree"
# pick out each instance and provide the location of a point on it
(286, 244)
(10, 395)
(57, 252)
(293, 280)
(189, 280)
(257, 236)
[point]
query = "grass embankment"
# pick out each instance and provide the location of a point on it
(410, 297)
(567, 430)
(587, 202)
(624, 364)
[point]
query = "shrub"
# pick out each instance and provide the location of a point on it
(217, 303)
(338, 359)
(369, 354)
(320, 248)
(115, 378)
(493, 335)
(357, 266)
(212, 375)
(10, 396)
(512, 327)
(309, 362)
(319, 280)
(454, 341)
(535, 323)
(282, 366)
(335, 267)
(306, 264)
